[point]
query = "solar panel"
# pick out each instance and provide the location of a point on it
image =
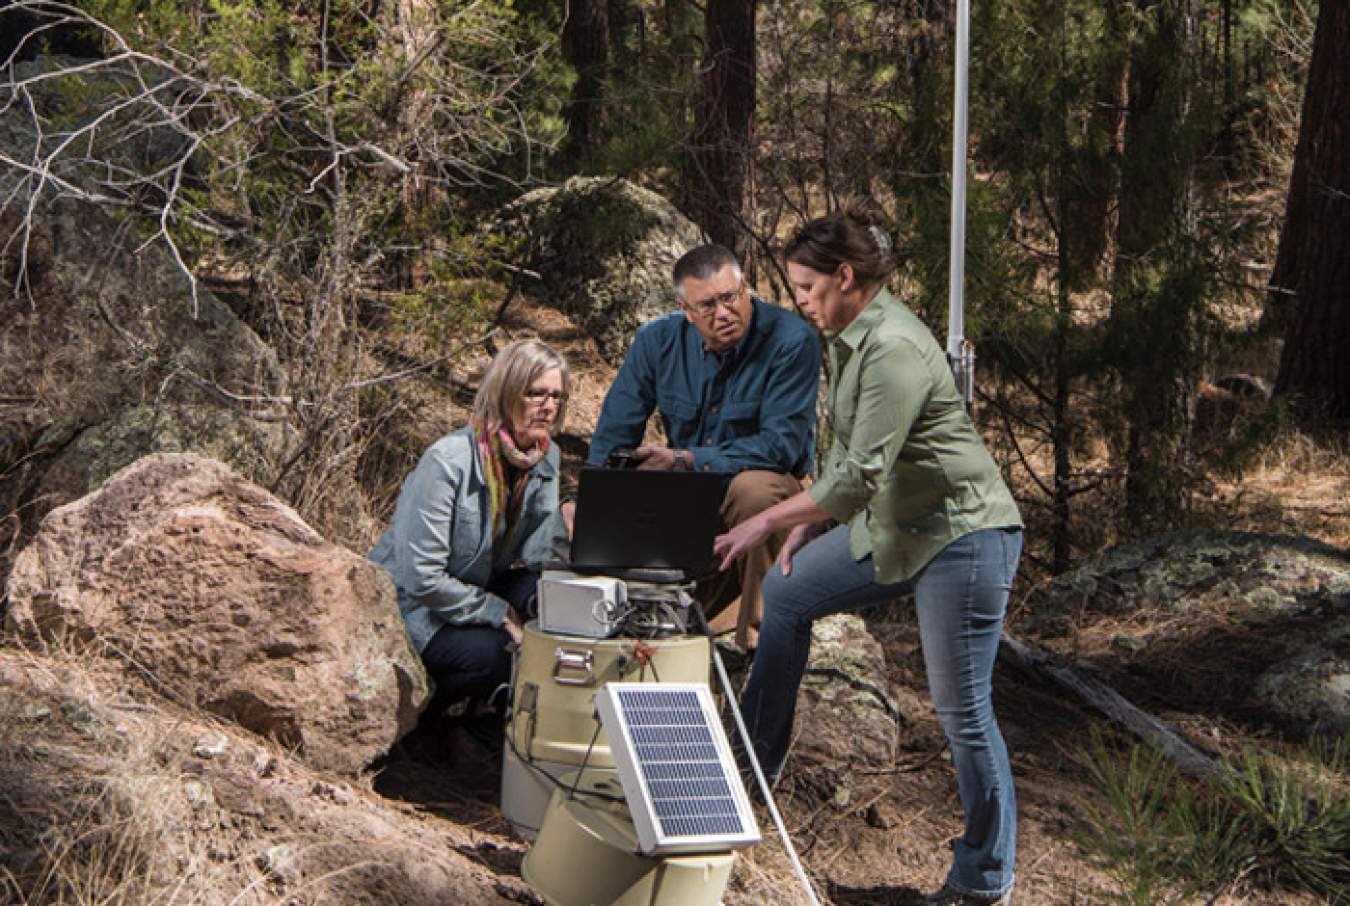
(677, 770)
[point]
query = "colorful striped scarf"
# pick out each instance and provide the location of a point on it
(497, 450)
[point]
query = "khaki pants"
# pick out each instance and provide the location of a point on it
(733, 599)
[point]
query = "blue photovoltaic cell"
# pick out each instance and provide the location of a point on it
(678, 759)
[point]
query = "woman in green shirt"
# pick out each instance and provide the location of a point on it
(909, 500)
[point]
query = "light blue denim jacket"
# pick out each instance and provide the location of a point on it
(438, 548)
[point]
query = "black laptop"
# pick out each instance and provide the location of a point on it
(641, 519)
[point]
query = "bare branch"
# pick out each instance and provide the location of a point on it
(426, 366)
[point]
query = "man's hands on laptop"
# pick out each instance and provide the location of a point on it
(663, 458)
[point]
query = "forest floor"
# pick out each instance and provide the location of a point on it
(885, 838)
(123, 779)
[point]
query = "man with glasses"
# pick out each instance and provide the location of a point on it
(735, 380)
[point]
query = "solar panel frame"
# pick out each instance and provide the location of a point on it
(678, 773)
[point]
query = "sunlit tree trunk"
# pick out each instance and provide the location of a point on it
(411, 26)
(1312, 268)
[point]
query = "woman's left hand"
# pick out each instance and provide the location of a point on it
(797, 539)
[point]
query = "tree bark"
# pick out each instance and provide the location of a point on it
(585, 46)
(728, 120)
(1153, 325)
(1312, 267)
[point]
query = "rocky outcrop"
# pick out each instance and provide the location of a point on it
(603, 249)
(216, 594)
(105, 357)
(1268, 614)
(847, 711)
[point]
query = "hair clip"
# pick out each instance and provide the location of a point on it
(882, 241)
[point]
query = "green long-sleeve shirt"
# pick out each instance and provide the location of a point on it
(907, 470)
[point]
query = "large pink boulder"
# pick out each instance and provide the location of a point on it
(214, 592)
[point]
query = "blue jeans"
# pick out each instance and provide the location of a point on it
(961, 596)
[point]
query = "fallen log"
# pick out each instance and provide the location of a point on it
(1044, 664)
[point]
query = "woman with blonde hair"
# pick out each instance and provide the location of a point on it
(473, 525)
(909, 500)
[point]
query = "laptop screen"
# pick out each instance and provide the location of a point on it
(646, 519)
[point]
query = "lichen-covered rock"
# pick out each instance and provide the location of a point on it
(1278, 605)
(1312, 688)
(106, 357)
(847, 710)
(99, 451)
(603, 249)
(1179, 571)
(212, 590)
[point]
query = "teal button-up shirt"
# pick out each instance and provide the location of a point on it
(907, 471)
(752, 407)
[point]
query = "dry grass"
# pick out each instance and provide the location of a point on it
(1296, 485)
(102, 804)
(110, 801)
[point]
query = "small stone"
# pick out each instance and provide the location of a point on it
(211, 745)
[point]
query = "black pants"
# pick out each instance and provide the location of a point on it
(472, 662)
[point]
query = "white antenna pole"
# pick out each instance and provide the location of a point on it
(960, 353)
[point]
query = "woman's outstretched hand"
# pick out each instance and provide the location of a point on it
(739, 539)
(799, 511)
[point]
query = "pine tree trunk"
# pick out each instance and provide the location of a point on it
(683, 35)
(585, 46)
(1154, 328)
(1312, 268)
(727, 133)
